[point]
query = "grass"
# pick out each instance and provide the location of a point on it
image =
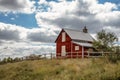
(66, 69)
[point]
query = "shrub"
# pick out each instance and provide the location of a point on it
(113, 57)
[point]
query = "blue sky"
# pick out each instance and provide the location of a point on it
(25, 20)
(31, 26)
(112, 1)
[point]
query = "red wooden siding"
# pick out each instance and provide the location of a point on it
(69, 45)
(77, 53)
(59, 43)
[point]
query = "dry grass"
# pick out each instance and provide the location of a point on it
(67, 69)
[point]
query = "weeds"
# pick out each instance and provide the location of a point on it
(113, 58)
(68, 69)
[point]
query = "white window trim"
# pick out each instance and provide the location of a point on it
(63, 50)
(76, 47)
(63, 36)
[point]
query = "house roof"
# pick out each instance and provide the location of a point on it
(78, 35)
(83, 44)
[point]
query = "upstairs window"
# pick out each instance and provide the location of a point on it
(63, 37)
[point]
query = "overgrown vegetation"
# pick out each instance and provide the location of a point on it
(105, 41)
(65, 69)
(12, 60)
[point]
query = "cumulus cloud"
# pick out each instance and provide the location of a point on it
(78, 13)
(23, 6)
(42, 35)
(9, 32)
(17, 41)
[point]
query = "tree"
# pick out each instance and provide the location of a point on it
(104, 41)
(9, 59)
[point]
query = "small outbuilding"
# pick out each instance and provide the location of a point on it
(73, 43)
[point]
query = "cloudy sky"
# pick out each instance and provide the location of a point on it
(31, 26)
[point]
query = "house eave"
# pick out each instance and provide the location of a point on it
(83, 44)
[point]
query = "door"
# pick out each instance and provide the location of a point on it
(63, 51)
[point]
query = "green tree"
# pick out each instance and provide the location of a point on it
(4, 60)
(104, 41)
(9, 59)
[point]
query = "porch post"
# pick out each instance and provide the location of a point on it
(71, 50)
(82, 51)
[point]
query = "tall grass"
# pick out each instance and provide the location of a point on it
(67, 69)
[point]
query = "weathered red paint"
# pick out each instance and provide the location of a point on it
(70, 47)
(59, 43)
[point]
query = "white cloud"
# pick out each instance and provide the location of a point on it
(42, 2)
(42, 35)
(20, 51)
(9, 32)
(17, 41)
(12, 18)
(78, 13)
(12, 32)
(22, 6)
(102, 8)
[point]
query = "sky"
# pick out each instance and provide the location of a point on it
(31, 26)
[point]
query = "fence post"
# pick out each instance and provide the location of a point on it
(71, 55)
(44, 55)
(77, 55)
(66, 54)
(102, 53)
(83, 52)
(51, 56)
(88, 54)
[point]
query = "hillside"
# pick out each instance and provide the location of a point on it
(67, 69)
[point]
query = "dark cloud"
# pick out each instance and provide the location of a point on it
(76, 23)
(115, 23)
(11, 4)
(82, 9)
(41, 37)
(22, 6)
(7, 35)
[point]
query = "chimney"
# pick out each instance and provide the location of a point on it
(85, 30)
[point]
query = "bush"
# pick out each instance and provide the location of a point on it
(6, 60)
(17, 59)
(113, 57)
(3, 61)
(33, 57)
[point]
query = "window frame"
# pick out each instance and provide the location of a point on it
(63, 36)
(77, 48)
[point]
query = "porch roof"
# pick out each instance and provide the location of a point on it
(83, 44)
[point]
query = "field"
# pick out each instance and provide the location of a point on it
(62, 69)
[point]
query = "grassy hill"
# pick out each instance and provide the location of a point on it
(66, 69)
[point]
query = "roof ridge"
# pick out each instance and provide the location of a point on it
(73, 30)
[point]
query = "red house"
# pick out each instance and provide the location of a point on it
(73, 43)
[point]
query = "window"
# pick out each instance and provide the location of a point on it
(63, 37)
(76, 47)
